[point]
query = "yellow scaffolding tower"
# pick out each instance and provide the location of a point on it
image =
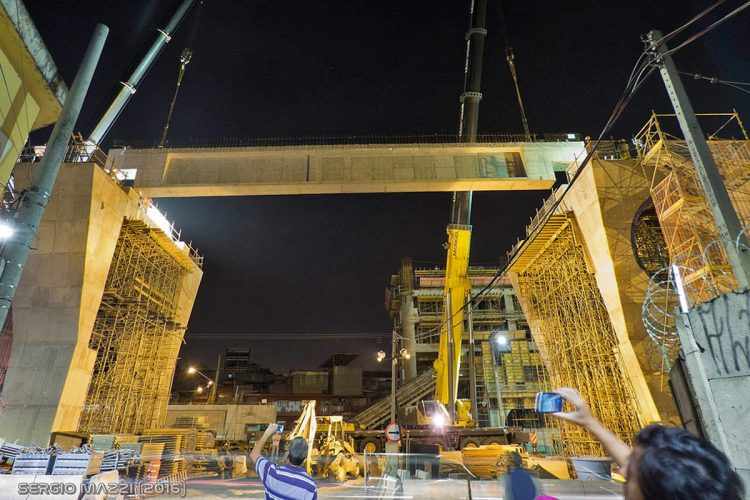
(684, 215)
(135, 335)
(573, 333)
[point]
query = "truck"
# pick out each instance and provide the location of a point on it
(426, 425)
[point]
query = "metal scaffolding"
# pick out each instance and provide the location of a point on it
(135, 335)
(685, 217)
(574, 335)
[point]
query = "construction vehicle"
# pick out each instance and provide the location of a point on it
(331, 448)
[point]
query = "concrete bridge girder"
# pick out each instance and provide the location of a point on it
(344, 168)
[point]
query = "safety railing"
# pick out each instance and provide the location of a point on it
(169, 228)
(228, 142)
(75, 153)
(83, 152)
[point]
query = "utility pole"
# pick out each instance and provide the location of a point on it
(215, 386)
(472, 366)
(407, 315)
(728, 224)
(394, 365)
(36, 197)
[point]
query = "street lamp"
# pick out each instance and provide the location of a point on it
(199, 389)
(501, 340)
(209, 382)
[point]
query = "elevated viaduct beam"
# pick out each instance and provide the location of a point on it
(381, 168)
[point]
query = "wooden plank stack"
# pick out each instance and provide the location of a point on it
(151, 461)
(175, 442)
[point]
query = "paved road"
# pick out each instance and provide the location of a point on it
(214, 489)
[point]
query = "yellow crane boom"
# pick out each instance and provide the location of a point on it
(457, 286)
(448, 363)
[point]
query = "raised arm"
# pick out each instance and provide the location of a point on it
(619, 451)
(255, 454)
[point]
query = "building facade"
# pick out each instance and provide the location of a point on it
(508, 368)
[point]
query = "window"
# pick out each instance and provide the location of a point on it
(532, 373)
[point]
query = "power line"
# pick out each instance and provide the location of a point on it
(700, 15)
(708, 29)
(715, 80)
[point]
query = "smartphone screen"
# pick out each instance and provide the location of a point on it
(548, 402)
(280, 427)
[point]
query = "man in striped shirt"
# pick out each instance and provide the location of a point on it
(286, 482)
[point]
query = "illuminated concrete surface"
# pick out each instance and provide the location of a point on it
(374, 168)
(58, 299)
(33, 90)
(604, 201)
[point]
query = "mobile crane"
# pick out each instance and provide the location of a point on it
(447, 421)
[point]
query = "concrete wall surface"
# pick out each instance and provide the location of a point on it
(605, 199)
(33, 90)
(715, 338)
(57, 301)
(228, 421)
(344, 168)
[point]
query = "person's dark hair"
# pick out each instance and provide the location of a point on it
(515, 460)
(673, 464)
(297, 451)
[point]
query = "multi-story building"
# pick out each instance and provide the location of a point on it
(507, 363)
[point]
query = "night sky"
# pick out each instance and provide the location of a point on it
(393, 67)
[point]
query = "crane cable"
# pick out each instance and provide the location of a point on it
(510, 58)
(185, 57)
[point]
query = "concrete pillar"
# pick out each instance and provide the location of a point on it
(408, 318)
(58, 298)
(408, 324)
(56, 304)
(510, 310)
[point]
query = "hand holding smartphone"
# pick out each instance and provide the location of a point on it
(548, 402)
